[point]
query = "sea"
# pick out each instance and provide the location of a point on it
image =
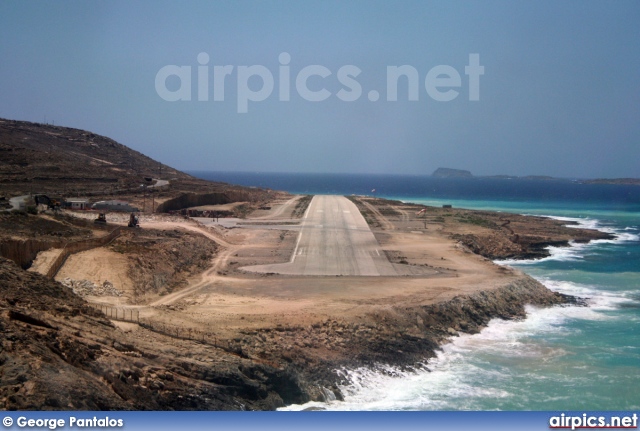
(559, 358)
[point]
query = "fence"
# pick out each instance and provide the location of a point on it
(78, 246)
(115, 313)
(132, 315)
(184, 333)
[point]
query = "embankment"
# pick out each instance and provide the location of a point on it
(400, 336)
(24, 251)
(188, 200)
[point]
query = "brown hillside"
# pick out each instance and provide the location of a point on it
(41, 158)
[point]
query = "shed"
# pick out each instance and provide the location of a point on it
(77, 204)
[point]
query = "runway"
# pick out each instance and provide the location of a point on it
(335, 239)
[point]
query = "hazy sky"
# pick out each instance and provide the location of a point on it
(560, 93)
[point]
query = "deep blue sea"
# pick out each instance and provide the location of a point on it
(561, 358)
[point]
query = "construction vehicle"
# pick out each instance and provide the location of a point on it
(133, 220)
(52, 203)
(102, 218)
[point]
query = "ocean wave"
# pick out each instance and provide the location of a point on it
(597, 299)
(576, 251)
(573, 252)
(433, 387)
(474, 368)
(621, 234)
(620, 237)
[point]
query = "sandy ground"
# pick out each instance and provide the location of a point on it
(99, 265)
(224, 297)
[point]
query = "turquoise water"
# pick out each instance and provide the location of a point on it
(560, 358)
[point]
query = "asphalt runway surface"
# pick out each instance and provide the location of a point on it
(334, 239)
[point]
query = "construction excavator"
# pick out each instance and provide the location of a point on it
(133, 220)
(52, 203)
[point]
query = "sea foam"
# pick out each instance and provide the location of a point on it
(576, 251)
(471, 369)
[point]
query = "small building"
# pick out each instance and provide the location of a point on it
(447, 206)
(77, 204)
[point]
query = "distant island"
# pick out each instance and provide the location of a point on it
(619, 181)
(460, 173)
(451, 173)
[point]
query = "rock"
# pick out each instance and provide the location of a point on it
(155, 385)
(88, 288)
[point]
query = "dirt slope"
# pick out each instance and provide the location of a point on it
(58, 353)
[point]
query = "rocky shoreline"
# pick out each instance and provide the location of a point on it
(59, 353)
(401, 337)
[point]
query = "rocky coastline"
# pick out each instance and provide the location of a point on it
(402, 337)
(59, 353)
